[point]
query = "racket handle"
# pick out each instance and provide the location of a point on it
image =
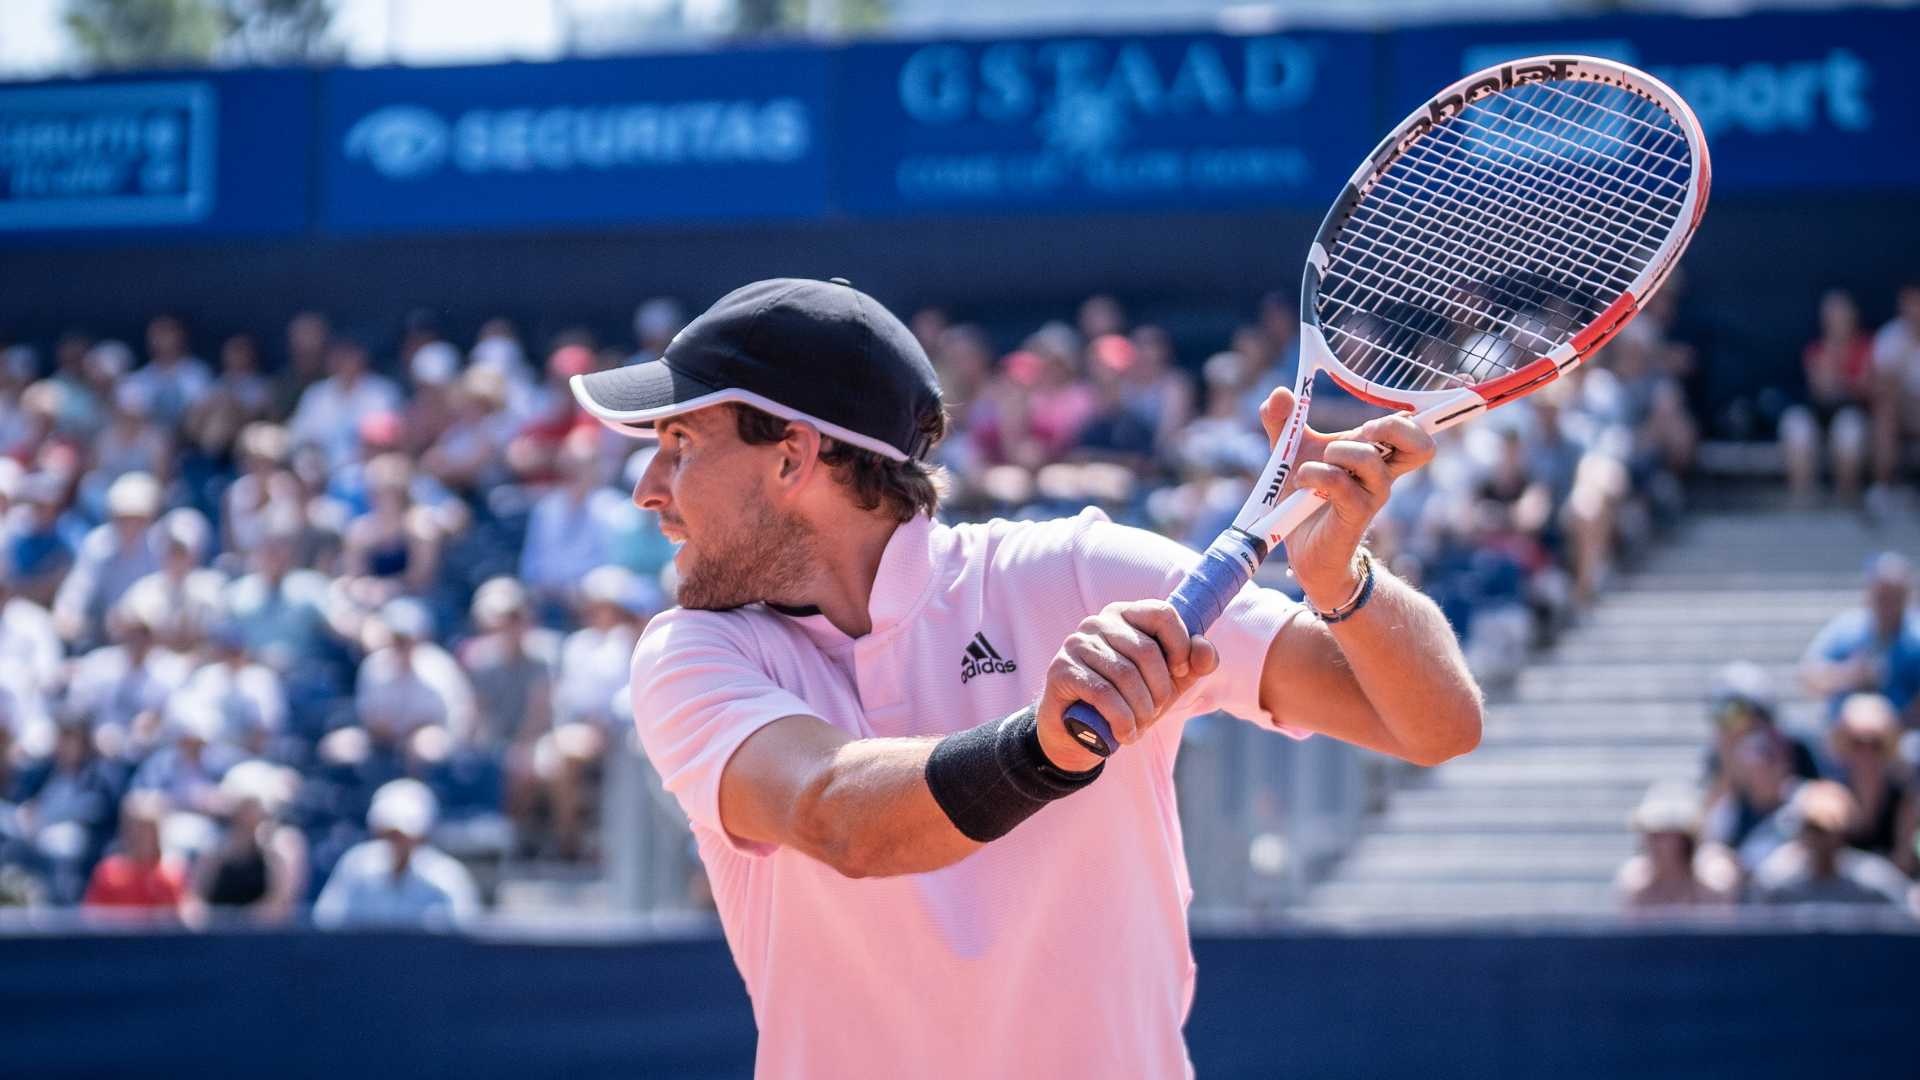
(1228, 564)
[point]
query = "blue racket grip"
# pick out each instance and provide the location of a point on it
(1202, 595)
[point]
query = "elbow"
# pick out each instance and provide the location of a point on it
(1456, 733)
(822, 830)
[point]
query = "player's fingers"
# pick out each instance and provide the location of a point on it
(1205, 660)
(1363, 461)
(1274, 412)
(1349, 500)
(1097, 655)
(1069, 681)
(1159, 619)
(1406, 444)
(1143, 651)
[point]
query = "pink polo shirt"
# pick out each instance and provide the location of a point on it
(1059, 950)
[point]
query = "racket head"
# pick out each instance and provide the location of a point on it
(1501, 234)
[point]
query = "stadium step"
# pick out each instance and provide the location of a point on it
(1535, 822)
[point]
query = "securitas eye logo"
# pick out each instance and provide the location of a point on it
(982, 658)
(400, 141)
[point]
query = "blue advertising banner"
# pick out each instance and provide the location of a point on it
(1789, 102)
(1098, 123)
(208, 153)
(730, 135)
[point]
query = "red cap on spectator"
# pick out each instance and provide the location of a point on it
(570, 360)
(1113, 352)
(1023, 367)
(380, 429)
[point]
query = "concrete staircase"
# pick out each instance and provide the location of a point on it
(1535, 821)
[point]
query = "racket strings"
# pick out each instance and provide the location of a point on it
(1501, 233)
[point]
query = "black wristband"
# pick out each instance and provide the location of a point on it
(992, 777)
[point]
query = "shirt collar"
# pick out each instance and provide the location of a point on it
(899, 587)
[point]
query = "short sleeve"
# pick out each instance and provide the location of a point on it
(1836, 641)
(1117, 563)
(697, 695)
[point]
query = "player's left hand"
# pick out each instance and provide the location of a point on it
(1350, 470)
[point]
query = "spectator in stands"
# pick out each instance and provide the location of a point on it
(1874, 648)
(309, 335)
(410, 682)
(189, 767)
(258, 872)
(30, 650)
(1817, 866)
(122, 686)
(550, 414)
(1896, 399)
(65, 813)
(568, 532)
(238, 397)
(190, 595)
(469, 457)
(39, 549)
(497, 349)
(431, 375)
(587, 704)
(248, 696)
(1101, 315)
(112, 557)
(394, 548)
(511, 664)
(1743, 704)
(1833, 417)
(264, 488)
(1671, 869)
(1156, 388)
(138, 878)
(133, 441)
(397, 879)
(173, 379)
(1120, 430)
(1753, 816)
(1866, 756)
(331, 410)
(280, 607)
(655, 322)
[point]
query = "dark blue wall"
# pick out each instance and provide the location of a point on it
(1484, 1006)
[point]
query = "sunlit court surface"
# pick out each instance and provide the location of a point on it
(895, 538)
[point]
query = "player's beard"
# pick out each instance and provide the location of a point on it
(766, 556)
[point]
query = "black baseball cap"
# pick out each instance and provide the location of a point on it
(820, 352)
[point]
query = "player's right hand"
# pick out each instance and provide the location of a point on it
(1131, 662)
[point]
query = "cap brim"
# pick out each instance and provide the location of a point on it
(630, 400)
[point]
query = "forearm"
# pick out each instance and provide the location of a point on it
(869, 812)
(1407, 664)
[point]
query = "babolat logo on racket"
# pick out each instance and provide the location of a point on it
(1506, 77)
(983, 659)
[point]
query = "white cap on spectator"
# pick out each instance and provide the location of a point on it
(435, 363)
(144, 607)
(135, 494)
(496, 599)
(404, 806)
(1668, 808)
(408, 618)
(263, 782)
(1745, 681)
(192, 716)
(187, 528)
(501, 354)
(109, 360)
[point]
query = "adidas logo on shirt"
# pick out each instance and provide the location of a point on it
(982, 658)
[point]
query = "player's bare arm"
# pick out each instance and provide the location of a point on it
(1391, 678)
(865, 807)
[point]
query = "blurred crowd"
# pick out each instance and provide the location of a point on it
(339, 625)
(1856, 418)
(1824, 812)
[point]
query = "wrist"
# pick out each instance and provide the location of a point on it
(1328, 589)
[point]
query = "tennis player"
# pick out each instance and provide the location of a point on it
(919, 872)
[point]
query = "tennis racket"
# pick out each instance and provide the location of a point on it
(1495, 239)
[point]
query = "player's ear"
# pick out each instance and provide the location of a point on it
(799, 455)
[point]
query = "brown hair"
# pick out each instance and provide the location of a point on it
(902, 488)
